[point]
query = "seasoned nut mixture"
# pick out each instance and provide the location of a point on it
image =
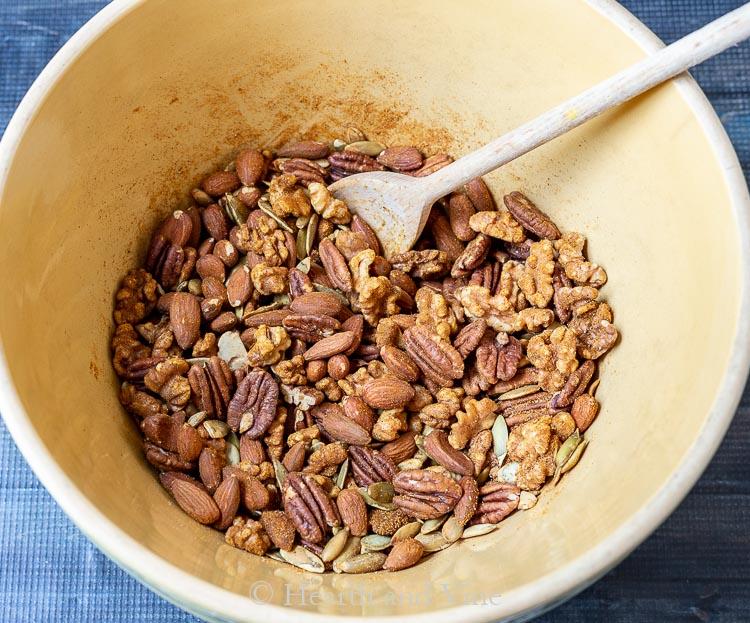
(337, 410)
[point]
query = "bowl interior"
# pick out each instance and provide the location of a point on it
(176, 86)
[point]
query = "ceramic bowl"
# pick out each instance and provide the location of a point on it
(151, 94)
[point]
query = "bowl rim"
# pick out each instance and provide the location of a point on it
(205, 599)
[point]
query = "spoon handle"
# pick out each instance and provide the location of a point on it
(668, 62)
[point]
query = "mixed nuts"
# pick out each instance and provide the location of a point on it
(341, 411)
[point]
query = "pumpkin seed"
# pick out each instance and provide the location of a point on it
(452, 529)
(433, 542)
(302, 221)
(310, 232)
(322, 162)
(432, 525)
(280, 471)
(363, 563)
(500, 438)
(374, 543)
(354, 134)
(303, 559)
(201, 198)
(274, 555)
(181, 287)
(216, 429)
(197, 419)
(283, 299)
(575, 457)
(266, 209)
(232, 350)
(369, 148)
(304, 265)
(374, 503)
(565, 450)
(233, 454)
(351, 549)
(381, 492)
(526, 501)
(408, 531)
(199, 361)
(483, 476)
(194, 287)
(339, 144)
(508, 472)
(520, 392)
(232, 166)
(320, 288)
(594, 386)
(335, 546)
(239, 312)
(343, 471)
(301, 246)
(235, 209)
(478, 529)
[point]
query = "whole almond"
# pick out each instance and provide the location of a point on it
(405, 553)
(460, 210)
(211, 266)
(294, 459)
(479, 194)
(338, 367)
(402, 448)
(185, 319)
(239, 286)
(250, 165)
(321, 303)
(353, 511)
(227, 498)
(168, 479)
(279, 529)
(342, 428)
(387, 393)
(584, 411)
(220, 183)
(467, 504)
(177, 228)
(356, 409)
(335, 265)
(216, 222)
(195, 502)
(355, 324)
(311, 150)
(400, 363)
(226, 252)
(401, 158)
(189, 443)
(255, 496)
(315, 370)
(436, 445)
(251, 450)
(210, 464)
(330, 346)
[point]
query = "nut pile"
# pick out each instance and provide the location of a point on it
(333, 409)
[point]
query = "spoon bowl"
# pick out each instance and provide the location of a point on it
(393, 204)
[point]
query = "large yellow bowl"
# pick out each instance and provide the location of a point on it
(152, 94)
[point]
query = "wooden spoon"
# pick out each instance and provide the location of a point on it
(397, 206)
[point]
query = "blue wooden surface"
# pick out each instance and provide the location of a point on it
(696, 567)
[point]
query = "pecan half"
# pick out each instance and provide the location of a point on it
(253, 407)
(309, 507)
(531, 217)
(437, 359)
(211, 387)
(370, 466)
(497, 500)
(425, 494)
